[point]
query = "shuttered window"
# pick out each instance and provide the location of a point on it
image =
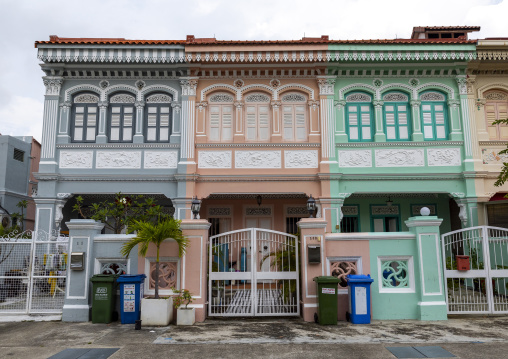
(397, 121)
(221, 123)
(434, 121)
(121, 118)
(257, 122)
(294, 123)
(359, 122)
(158, 121)
(84, 117)
(496, 110)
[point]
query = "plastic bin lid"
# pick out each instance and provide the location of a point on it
(326, 279)
(359, 278)
(131, 278)
(104, 278)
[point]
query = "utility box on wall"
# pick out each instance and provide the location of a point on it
(77, 260)
(314, 254)
(463, 263)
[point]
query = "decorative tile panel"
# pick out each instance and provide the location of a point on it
(492, 156)
(349, 210)
(301, 159)
(395, 273)
(399, 158)
(444, 157)
(118, 159)
(297, 211)
(214, 159)
(258, 159)
(258, 211)
(76, 159)
(160, 159)
(219, 211)
(361, 158)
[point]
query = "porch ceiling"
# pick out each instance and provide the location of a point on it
(395, 195)
(254, 195)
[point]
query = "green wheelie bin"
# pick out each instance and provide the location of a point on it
(327, 300)
(103, 297)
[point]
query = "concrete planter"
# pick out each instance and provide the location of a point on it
(185, 316)
(156, 312)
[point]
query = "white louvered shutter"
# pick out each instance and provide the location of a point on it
(214, 123)
(227, 123)
(264, 123)
(251, 123)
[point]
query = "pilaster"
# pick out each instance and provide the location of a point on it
(53, 85)
(379, 136)
(77, 296)
(340, 134)
(101, 135)
(138, 135)
(64, 124)
(194, 263)
(176, 132)
(432, 304)
(327, 117)
(417, 125)
(189, 85)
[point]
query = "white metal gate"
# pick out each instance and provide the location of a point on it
(32, 273)
(253, 272)
(484, 287)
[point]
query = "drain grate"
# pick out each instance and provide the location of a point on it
(420, 352)
(96, 353)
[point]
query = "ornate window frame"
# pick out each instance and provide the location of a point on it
(360, 110)
(294, 116)
(410, 288)
(217, 119)
(497, 97)
(149, 260)
(428, 117)
(257, 117)
(124, 108)
(395, 116)
(86, 106)
(358, 263)
(152, 120)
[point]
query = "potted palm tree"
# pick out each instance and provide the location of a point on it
(156, 311)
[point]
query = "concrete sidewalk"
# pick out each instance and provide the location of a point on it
(465, 337)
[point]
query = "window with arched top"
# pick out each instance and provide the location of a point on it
(359, 117)
(157, 124)
(257, 117)
(85, 117)
(396, 115)
(220, 123)
(434, 116)
(496, 108)
(294, 117)
(121, 117)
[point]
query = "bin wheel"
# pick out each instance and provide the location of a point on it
(348, 316)
(316, 319)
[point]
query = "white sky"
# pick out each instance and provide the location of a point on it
(22, 22)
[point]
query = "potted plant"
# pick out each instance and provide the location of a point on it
(156, 311)
(184, 316)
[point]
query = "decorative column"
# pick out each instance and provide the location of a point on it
(194, 264)
(138, 136)
(378, 117)
(340, 113)
(327, 118)
(276, 120)
(432, 304)
(417, 135)
(50, 119)
(177, 122)
(312, 234)
(63, 127)
(101, 135)
(189, 85)
(77, 297)
(474, 128)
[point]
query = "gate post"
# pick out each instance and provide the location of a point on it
(77, 299)
(312, 234)
(432, 304)
(194, 263)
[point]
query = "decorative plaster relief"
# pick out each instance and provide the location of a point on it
(301, 159)
(258, 159)
(219, 211)
(258, 211)
(444, 157)
(161, 159)
(384, 210)
(118, 159)
(399, 158)
(350, 210)
(214, 159)
(362, 158)
(492, 156)
(297, 211)
(76, 159)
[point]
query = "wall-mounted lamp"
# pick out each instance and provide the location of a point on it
(311, 206)
(195, 206)
(259, 199)
(389, 202)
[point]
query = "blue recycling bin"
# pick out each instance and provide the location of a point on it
(359, 298)
(131, 293)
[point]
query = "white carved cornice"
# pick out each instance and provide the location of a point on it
(314, 105)
(326, 85)
(462, 84)
(415, 103)
(139, 104)
(103, 105)
(239, 105)
(201, 105)
(339, 104)
(378, 104)
(53, 85)
(176, 106)
(470, 81)
(66, 105)
(454, 103)
(276, 104)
